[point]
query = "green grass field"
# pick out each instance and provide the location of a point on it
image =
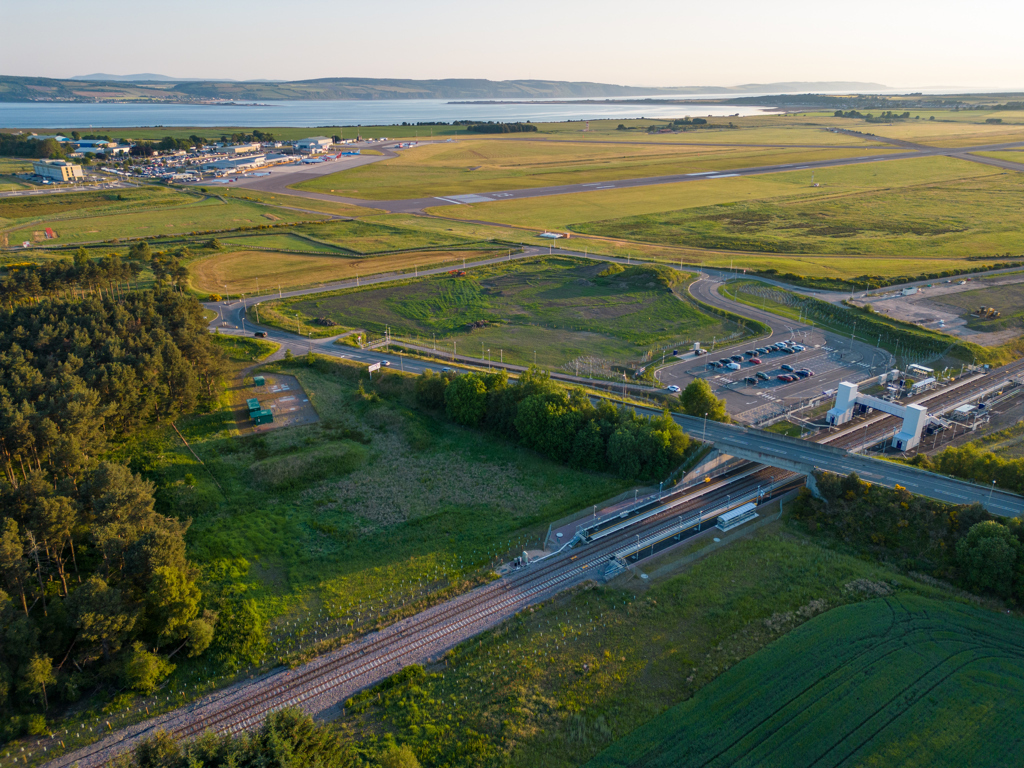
(562, 211)
(558, 307)
(490, 165)
(323, 515)
(937, 219)
(13, 209)
(185, 216)
(1011, 155)
(243, 271)
(903, 680)
(10, 166)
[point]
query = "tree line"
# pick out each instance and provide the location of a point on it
(95, 585)
(961, 544)
(563, 424)
(970, 462)
(491, 127)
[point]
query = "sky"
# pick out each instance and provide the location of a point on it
(900, 43)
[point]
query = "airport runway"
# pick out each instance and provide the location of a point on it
(283, 177)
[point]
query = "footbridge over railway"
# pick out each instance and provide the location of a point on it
(915, 417)
(803, 457)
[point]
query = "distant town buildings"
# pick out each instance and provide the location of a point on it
(58, 170)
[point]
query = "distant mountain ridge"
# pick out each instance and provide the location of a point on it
(150, 87)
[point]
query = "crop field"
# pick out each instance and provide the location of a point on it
(89, 203)
(208, 215)
(489, 165)
(239, 271)
(939, 219)
(560, 307)
(903, 680)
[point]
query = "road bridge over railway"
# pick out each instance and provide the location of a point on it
(804, 456)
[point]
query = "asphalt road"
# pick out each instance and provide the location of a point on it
(831, 356)
(791, 450)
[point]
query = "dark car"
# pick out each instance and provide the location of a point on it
(751, 380)
(261, 334)
(762, 350)
(737, 358)
(788, 350)
(762, 376)
(750, 353)
(787, 367)
(724, 361)
(803, 373)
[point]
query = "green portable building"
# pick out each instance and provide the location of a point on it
(259, 381)
(262, 417)
(254, 405)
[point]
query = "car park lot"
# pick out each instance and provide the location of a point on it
(827, 356)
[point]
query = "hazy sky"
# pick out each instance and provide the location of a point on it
(646, 42)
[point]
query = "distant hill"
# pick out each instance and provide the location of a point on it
(145, 77)
(802, 87)
(155, 87)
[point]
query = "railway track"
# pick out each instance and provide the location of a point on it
(479, 606)
(878, 427)
(321, 685)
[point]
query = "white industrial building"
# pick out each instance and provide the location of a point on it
(242, 149)
(314, 145)
(236, 164)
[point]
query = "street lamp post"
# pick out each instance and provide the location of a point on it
(704, 434)
(991, 491)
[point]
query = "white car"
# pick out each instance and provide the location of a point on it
(672, 388)
(733, 366)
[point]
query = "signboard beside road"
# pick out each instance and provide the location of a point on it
(372, 368)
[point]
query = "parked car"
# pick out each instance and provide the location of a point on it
(762, 376)
(755, 361)
(787, 367)
(789, 350)
(725, 361)
(737, 358)
(786, 377)
(671, 388)
(752, 380)
(805, 372)
(762, 350)
(750, 353)
(799, 347)
(733, 366)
